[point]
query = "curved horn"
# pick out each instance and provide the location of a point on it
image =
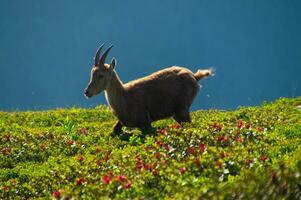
(103, 57)
(97, 55)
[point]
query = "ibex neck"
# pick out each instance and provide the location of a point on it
(114, 93)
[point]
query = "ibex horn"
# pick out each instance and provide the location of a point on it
(103, 57)
(96, 59)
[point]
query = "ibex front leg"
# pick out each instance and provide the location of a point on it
(118, 128)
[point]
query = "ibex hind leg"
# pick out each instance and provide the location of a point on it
(182, 116)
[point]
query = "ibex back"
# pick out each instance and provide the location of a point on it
(165, 93)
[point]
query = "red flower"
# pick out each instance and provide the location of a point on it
(217, 127)
(80, 181)
(56, 194)
(147, 167)
(182, 170)
(240, 140)
(163, 131)
(127, 185)
(97, 149)
(260, 129)
(197, 161)
(248, 126)
(106, 179)
(5, 151)
(239, 124)
(80, 158)
(191, 150)
(107, 156)
(167, 147)
(159, 143)
(264, 158)
(202, 148)
(158, 155)
(226, 139)
(121, 178)
(139, 163)
(175, 126)
(155, 172)
(220, 138)
(7, 137)
(248, 161)
(70, 142)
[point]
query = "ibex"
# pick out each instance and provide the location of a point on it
(165, 93)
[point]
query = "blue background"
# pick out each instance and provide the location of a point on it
(47, 48)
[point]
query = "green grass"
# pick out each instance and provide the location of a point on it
(249, 153)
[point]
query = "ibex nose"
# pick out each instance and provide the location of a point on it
(86, 93)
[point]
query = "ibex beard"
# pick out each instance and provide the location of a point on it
(165, 93)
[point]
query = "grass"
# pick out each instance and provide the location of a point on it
(248, 153)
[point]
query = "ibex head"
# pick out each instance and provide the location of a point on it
(101, 73)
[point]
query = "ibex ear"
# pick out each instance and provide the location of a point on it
(113, 63)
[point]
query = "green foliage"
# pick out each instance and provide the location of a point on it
(248, 153)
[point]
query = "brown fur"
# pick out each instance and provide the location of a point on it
(165, 93)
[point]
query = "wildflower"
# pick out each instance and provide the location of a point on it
(264, 158)
(167, 147)
(56, 194)
(107, 156)
(106, 179)
(158, 155)
(159, 143)
(239, 124)
(220, 138)
(202, 147)
(182, 170)
(139, 163)
(7, 137)
(260, 129)
(80, 158)
(240, 140)
(147, 167)
(226, 139)
(191, 150)
(248, 161)
(5, 151)
(127, 185)
(175, 126)
(70, 142)
(121, 178)
(163, 131)
(97, 149)
(248, 126)
(217, 127)
(80, 181)
(197, 161)
(155, 172)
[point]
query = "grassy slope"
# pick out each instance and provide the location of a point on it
(252, 152)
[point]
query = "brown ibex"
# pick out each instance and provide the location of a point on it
(165, 93)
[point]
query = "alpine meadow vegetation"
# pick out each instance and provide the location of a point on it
(247, 153)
